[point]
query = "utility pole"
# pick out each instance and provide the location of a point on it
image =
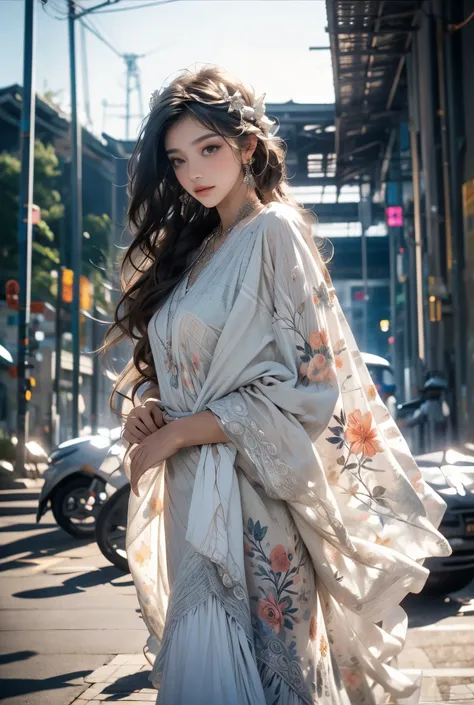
(76, 224)
(25, 225)
(76, 206)
(365, 218)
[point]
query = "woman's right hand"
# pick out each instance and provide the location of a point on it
(142, 421)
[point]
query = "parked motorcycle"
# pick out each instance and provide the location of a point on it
(450, 473)
(111, 523)
(71, 479)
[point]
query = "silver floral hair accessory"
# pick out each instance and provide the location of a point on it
(255, 112)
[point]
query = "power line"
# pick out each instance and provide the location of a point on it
(99, 36)
(134, 7)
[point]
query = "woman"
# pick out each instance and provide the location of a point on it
(277, 518)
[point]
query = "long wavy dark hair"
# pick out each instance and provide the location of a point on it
(163, 237)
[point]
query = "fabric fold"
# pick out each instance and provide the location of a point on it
(306, 426)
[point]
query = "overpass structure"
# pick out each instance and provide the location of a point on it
(309, 131)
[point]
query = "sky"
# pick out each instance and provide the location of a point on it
(263, 42)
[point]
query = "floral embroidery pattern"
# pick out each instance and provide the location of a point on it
(321, 296)
(275, 605)
(143, 554)
(357, 435)
(271, 612)
(317, 361)
(361, 435)
(316, 358)
(275, 616)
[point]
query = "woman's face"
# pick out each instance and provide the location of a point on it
(202, 158)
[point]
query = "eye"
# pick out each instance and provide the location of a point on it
(174, 160)
(214, 147)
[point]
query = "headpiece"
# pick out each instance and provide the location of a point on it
(254, 113)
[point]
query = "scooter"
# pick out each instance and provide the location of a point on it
(71, 479)
(111, 523)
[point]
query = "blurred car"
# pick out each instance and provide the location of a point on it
(70, 478)
(451, 474)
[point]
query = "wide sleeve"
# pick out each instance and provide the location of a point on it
(274, 419)
(310, 428)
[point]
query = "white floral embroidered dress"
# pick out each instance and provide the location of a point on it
(270, 569)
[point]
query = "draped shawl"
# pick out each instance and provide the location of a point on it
(305, 422)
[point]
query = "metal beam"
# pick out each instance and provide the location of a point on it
(382, 30)
(360, 51)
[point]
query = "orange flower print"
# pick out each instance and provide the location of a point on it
(196, 362)
(372, 392)
(392, 433)
(333, 477)
(318, 338)
(417, 482)
(271, 612)
(313, 628)
(316, 299)
(143, 554)
(339, 362)
(361, 435)
(155, 505)
(279, 560)
(323, 646)
(382, 542)
(354, 489)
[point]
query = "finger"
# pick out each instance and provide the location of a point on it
(146, 419)
(133, 437)
(139, 426)
(158, 416)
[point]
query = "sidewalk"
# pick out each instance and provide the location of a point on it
(71, 631)
(125, 679)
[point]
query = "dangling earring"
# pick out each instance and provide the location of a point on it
(184, 198)
(248, 175)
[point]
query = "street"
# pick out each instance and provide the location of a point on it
(72, 631)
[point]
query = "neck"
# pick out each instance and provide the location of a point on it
(229, 206)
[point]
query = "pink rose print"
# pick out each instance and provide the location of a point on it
(279, 559)
(270, 611)
(351, 678)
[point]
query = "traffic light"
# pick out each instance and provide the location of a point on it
(30, 383)
(12, 290)
(67, 281)
(85, 293)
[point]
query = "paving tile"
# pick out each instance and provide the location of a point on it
(93, 691)
(460, 689)
(102, 674)
(122, 672)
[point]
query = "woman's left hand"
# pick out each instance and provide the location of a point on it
(153, 450)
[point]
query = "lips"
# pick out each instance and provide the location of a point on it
(203, 190)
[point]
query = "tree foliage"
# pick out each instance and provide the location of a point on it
(45, 247)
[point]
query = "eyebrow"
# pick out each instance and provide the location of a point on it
(196, 141)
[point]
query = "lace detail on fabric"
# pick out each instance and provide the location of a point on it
(277, 477)
(196, 580)
(274, 655)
